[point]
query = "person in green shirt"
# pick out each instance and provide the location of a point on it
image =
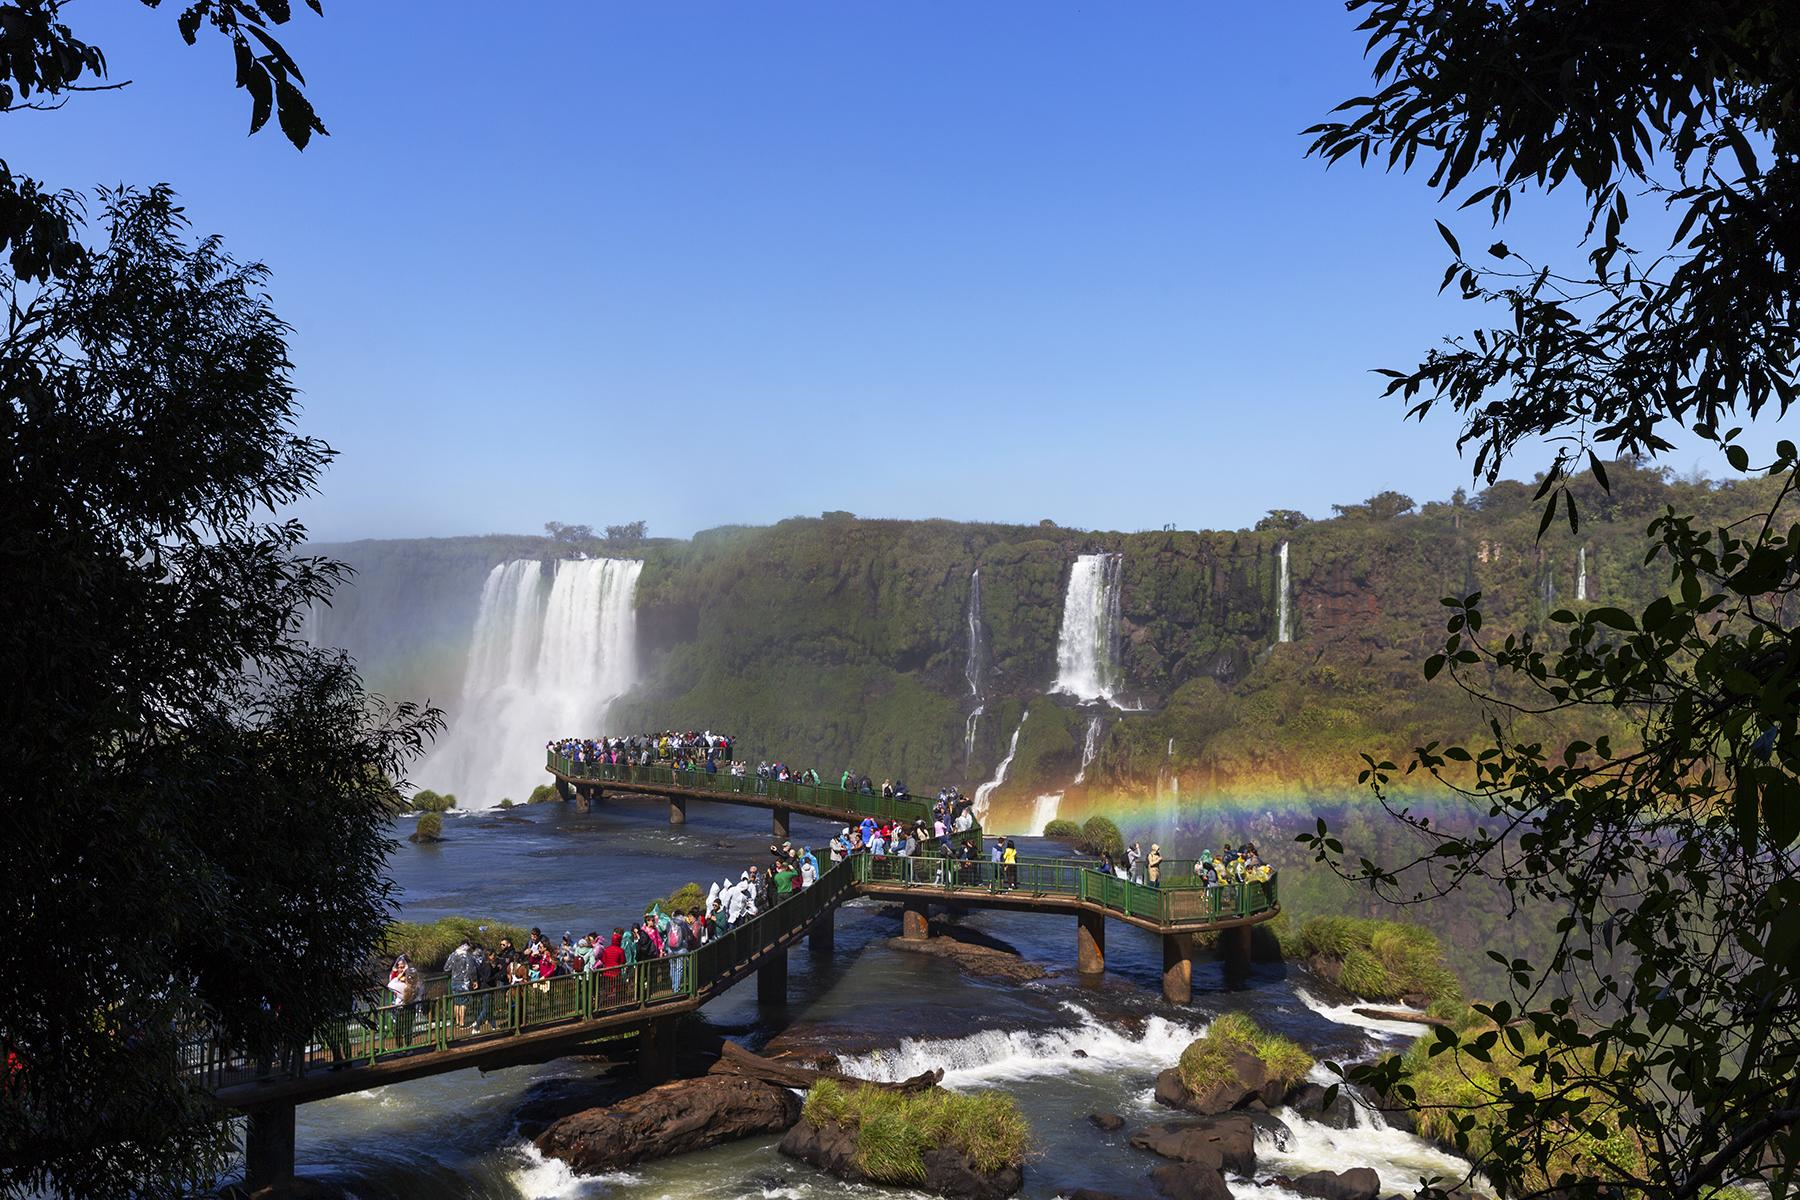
(784, 883)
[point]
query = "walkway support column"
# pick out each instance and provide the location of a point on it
(915, 920)
(584, 799)
(1090, 943)
(656, 1051)
(1234, 947)
(771, 980)
(269, 1146)
(1178, 967)
(780, 822)
(563, 789)
(678, 810)
(823, 938)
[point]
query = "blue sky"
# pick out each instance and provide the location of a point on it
(711, 263)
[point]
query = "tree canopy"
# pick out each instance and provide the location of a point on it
(1659, 1039)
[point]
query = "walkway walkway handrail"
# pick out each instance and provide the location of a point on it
(1186, 904)
(817, 795)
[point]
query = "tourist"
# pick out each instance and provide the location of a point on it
(484, 978)
(1154, 863)
(1010, 864)
(1134, 862)
(461, 967)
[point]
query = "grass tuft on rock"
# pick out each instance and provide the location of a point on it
(543, 793)
(1206, 1062)
(427, 801)
(895, 1129)
(428, 945)
(1101, 835)
(1063, 829)
(1382, 960)
(429, 829)
(683, 899)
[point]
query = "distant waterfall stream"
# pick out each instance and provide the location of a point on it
(539, 667)
(987, 789)
(972, 667)
(1284, 630)
(1087, 648)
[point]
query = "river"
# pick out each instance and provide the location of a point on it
(1063, 1046)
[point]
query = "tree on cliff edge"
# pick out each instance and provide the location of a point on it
(195, 801)
(1659, 1045)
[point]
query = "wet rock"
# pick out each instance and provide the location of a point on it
(1358, 1183)
(982, 956)
(1189, 1181)
(547, 1101)
(1309, 1098)
(1225, 1143)
(1110, 1122)
(688, 1114)
(948, 1172)
(1247, 1080)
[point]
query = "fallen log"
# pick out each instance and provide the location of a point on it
(1399, 1014)
(735, 1060)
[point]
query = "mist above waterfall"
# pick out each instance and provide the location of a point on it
(1087, 647)
(540, 666)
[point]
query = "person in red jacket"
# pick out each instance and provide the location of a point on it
(612, 958)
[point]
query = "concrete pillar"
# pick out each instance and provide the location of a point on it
(1234, 947)
(1178, 967)
(563, 789)
(1090, 943)
(823, 938)
(584, 799)
(915, 920)
(269, 1146)
(678, 810)
(780, 822)
(656, 1051)
(771, 980)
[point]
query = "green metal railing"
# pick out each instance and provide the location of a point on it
(442, 1019)
(815, 795)
(1172, 906)
(379, 1031)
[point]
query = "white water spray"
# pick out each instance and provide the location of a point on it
(540, 667)
(1581, 575)
(1284, 631)
(972, 666)
(1090, 746)
(1087, 648)
(1043, 811)
(987, 789)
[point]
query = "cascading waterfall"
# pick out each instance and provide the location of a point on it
(1043, 811)
(1581, 575)
(540, 667)
(972, 666)
(1087, 648)
(987, 789)
(1090, 746)
(1284, 631)
(1046, 807)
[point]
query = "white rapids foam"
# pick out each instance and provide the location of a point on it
(1346, 1014)
(1400, 1158)
(1008, 1054)
(541, 1178)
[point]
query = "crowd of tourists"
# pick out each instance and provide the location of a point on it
(690, 750)
(1230, 866)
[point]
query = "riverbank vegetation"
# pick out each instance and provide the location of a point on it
(1379, 960)
(895, 1129)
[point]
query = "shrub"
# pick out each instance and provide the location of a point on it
(1101, 835)
(1207, 1060)
(1064, 830)
(430, 828)
(894, 1129)
(427, 801)
(430, 944)
(683, 899)
(507, 802)
(542, 794)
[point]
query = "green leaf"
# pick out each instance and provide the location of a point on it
(1450, 239)
(1599, 471)
(1616, 618)
(1738, 457)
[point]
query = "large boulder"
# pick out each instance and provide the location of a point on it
(1107, 1122)
(1247, 1081)
(1189, 1181)
(1225, 1143)
(689, 1114)
(1358, 1183)
(948, 1172)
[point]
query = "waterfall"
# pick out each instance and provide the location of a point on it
(1284, 631)
(1043, 811)
(1581, 575)
(986, 790)
(972, 666)
(1090, 746)
(1087, 648)
(539, 667)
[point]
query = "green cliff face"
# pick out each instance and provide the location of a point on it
(836, 641)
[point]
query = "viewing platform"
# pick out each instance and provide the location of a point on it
(584, 782)
(378, 1044)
